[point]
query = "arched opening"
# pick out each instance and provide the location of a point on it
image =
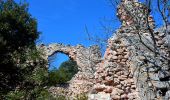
(56, 60)
(61, 69)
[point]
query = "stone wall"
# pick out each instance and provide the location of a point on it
(134, 66)
(114, 75)
(86, 59)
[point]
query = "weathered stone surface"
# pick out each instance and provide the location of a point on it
(135, 63)
(100, 96)
(129, 69)
(86, 59)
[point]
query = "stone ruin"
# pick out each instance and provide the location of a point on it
(86, 59)
(130, 69)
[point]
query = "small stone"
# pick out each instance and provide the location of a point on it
(141, 58)
(123, 60)
(160, 42)
(118, 61)
(124, 96)
(131, 96)
(120, 57)
(116, 81)
(123, 63)
(133, 86)
(108, 90)
(120, 91)
(120, 51)
(119, 86)
(116, 97)
(124, 76)
(113, 53)
(161, 34)
(126, 56)
(99, 87)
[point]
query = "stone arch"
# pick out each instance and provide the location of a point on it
(86, 59)
(56, 52)
(52, 49)
(65, 49)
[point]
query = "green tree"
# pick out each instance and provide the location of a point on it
(22, 70)
(69, 68)
(65, 72)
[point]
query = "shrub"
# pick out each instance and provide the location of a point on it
(62, 75)
(22, 70)
(81, 97)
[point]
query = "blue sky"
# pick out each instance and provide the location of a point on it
(64, 21)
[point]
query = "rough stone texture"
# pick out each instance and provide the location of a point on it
(114, 74)
(130, 68)
(86, 59)
(101, 95)
(59, 91)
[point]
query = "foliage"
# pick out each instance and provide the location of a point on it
(70, 67)
(61, 97)
(41, 94)
(22, 70)
(36, 93)
(65, 72)
(15, 95)
(53, 77)
(81, 97)
(17, 27)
